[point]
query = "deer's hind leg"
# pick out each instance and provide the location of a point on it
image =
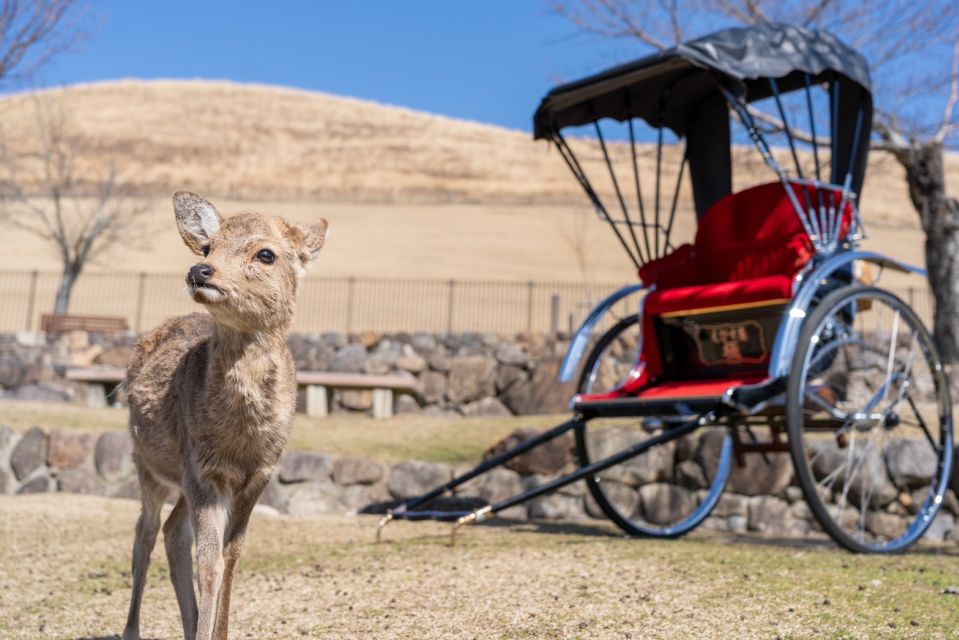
(178, 540)
(152, 495)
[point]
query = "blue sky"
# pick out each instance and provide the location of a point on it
(488, 61)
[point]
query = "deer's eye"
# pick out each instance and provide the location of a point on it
(265, 256)
(205, 250)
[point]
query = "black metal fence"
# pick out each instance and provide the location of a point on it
(342, 304)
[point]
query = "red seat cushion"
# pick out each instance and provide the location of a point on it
(716, 296)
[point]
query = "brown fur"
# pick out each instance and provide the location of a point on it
(212, 399)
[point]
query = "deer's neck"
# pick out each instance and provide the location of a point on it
(247, 372)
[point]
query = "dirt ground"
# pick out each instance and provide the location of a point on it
(64, 574)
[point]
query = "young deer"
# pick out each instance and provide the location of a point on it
(212, 399)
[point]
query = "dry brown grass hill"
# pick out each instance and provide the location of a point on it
(408, 193)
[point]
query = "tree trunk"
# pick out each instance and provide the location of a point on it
(939, 215)
(67, 280)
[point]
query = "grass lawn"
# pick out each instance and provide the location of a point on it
(399, 438)
(64, 574)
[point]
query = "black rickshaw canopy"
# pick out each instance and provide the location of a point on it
(691, 87)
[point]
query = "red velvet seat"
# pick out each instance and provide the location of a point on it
(749, 246)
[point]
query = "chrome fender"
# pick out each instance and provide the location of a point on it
(581, 339)
(806, 286)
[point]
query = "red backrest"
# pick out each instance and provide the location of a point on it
(751, 234)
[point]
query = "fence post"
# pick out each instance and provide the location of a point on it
(449, 308)
(529, 306)
(350, 285)
(140, 287)
(31, 298)
(554, 315)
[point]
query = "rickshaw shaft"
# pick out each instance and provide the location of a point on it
(495, 461)
(601, 465)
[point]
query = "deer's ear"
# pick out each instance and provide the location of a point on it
(196, 219)
(312, 239)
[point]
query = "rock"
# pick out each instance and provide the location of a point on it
(43, 392)
(770, 515)
(471, 378)
(439, 361)
(490, 407)
(546, 459)
(6, 482)
(349, 359)
(378, 365)
(623, 497)
(886, 525)
(40, 484)
(410, 361)
(793, 494)
(940, 528)
(508, 375)
(500, 483)
(556, 506)
(356, 399)
(314, 498)
(68, 449)
(8, 439)
(30, 453)
(113, 455)
(368, 339)
(334, 339)
(414, 478)
(690, 475)
(13, 370)
(911, 463)
(274, 494)
(950, 503)
(129, 488)
(423, 343)
(303, 466)
(731, 504)
(511, 353)
(75, 340)
(407, 404)
(870, 480)
(662, 503)
(350, 470)
(85, 357)
(655, 465)
(82, 481)
(436, 411)
(434, 386)
(118, 356)
(542, 393)
(756, 477)
(737, 524)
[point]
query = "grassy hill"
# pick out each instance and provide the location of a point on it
(477, 201)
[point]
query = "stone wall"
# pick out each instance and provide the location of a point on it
(760, 497)
(464, 374)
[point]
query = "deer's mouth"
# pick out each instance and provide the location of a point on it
(206, 292)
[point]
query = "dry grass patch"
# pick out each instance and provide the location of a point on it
(64, 574)
(395, 439)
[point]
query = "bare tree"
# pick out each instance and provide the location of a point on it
(913, 51)
(40, 194)
(32, 32)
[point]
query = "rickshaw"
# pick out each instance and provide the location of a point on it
(763, 327)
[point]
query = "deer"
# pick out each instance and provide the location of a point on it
(212, 398)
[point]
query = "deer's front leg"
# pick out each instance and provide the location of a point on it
(235, 533)
(211, 512)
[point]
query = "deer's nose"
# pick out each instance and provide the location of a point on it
(200, 274)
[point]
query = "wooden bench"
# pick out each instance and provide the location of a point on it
(317, 385)
(57, 323)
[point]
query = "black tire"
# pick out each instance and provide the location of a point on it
(845, 430)
(627, 510)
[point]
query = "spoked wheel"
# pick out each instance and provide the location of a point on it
(666, 491)
(870, 421)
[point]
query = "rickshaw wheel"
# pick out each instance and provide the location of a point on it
(869, 420)
(667, 491)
